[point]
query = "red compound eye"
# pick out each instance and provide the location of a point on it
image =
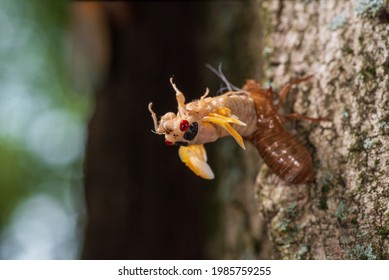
(184, 125)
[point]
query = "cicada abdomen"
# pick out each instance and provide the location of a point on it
(285, 155)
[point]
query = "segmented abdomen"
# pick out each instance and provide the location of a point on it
(285, 155)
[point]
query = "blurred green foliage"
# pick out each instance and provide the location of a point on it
(42, 118)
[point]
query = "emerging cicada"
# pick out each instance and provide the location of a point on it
(241, 113)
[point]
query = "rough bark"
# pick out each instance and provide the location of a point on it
(344, 214)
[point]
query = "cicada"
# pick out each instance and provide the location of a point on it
(248, 113)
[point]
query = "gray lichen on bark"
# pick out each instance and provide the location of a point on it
(345, 213)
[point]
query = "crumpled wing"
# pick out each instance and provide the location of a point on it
(195, 157)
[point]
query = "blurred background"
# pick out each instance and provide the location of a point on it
(81, 173)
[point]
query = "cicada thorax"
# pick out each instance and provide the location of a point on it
(240, 105)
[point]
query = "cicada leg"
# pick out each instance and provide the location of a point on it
(296, 116)
(224, 122)
(285, 89)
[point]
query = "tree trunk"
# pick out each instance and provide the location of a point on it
(344, 214)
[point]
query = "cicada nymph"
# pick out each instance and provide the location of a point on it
(247, 113)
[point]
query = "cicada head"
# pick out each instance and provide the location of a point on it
(178, 130)
(181, 129)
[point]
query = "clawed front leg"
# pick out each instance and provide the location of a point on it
(285, 89)
(296, 116)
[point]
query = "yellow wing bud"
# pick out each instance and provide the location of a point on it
(195, 157)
